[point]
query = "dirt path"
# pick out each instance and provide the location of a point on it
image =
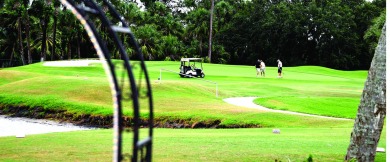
(248, 103)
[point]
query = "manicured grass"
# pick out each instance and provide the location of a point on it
(314, 105)
(336, 92)
(292, 144)
(85, 90)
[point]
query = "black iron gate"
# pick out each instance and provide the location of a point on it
(87, 12)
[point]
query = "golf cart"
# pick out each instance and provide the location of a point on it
(188, 68)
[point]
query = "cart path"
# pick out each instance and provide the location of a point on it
(248, 103)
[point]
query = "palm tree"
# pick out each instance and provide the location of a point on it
(48, 41)
(197, 27)
(211, 28)
(19, 9)
(372, 109)
(149, 41)
(10, 17)
(21, 40)
(26, 22)
(55, 15)
(44, 23)
(223, 13)
(171, 46)
(7, 46)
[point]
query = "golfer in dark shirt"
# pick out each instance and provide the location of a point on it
(257, 65)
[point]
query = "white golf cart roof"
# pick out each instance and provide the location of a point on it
(191, 59)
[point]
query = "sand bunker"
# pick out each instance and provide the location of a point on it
(20, 127)
(70, 63)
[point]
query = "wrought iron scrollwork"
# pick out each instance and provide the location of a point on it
(124, 90)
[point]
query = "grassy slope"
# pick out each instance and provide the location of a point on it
(324, 86)
(85, 90)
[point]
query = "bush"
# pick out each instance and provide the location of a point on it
(310, 158)
(206, 59)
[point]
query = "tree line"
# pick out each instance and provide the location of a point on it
(340, 34)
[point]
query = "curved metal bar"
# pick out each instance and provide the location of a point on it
(80, 11)
(134, 90)
(143, 66)
(109, 69)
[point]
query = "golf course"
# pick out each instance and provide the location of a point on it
(193, 122)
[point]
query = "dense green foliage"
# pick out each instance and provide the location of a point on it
(334, 33)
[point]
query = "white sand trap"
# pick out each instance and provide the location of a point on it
(70, 63)
(21, 127)
(248, 103)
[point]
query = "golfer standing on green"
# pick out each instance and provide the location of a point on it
(257, 65)
(279, 68)
(262, 68)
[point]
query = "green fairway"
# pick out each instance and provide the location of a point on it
(85, 90)
(292, 144)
